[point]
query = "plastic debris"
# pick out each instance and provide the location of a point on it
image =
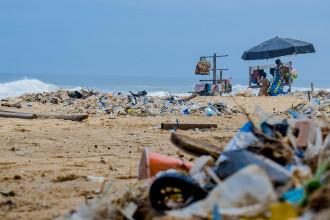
(233, 161)
(248, 192)
(273, 170)
(151, 163)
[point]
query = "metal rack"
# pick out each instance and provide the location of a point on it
(220, 80)
(214, 68)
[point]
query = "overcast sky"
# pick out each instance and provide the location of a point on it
(153, 37)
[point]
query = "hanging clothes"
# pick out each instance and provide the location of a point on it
(276, 87)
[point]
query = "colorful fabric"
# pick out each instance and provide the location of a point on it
(276, 87)
(200, 87)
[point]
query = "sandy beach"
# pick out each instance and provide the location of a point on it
(46, 164)
(164, 110)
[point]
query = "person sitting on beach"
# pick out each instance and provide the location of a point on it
(264, 84)
(276, 87)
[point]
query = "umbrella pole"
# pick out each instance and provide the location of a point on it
(250, 76)
(290, 80)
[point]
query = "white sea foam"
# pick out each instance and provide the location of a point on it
(19, 87)
(164, 93)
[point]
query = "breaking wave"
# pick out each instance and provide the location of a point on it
(19, 87)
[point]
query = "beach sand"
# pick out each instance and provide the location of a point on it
(46, 162)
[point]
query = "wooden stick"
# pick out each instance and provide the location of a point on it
(195, 94)
(186, 126)
(12, 105)
(309, 96)
(78, 117)
(21, 115)
(195, 147)
(312, 87)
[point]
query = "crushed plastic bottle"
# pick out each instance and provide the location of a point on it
(210, 110)
(186, 111)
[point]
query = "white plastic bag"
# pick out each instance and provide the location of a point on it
(246, 193)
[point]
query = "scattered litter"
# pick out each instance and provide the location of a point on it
(271, 169)
(249, 192)
(138, 104)
(8, 193)
(151, 163)
(64, 178)
(97, 179)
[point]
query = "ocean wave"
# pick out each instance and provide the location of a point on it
(20, 87)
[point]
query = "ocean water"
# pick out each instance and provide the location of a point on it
(18, 84)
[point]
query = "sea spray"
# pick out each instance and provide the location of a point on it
(19, 87)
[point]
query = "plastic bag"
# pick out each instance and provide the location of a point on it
(234, 161)
(242, 139)
(246, 193)
(210, 110)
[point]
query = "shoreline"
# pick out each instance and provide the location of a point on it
(19, 87)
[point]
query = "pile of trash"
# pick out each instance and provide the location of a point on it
(133, 104)
(271, 169)
(318, 105)
(56, 97)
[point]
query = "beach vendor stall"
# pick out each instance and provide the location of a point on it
(267, 71)
(282, 73)
(215, 85)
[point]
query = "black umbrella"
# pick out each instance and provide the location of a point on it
(277, 47)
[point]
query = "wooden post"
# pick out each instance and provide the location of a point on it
(221, 83)
(312, 87)
(290, 82)
(220, 75)
(309, 96)
(214, 68)
(250, 70)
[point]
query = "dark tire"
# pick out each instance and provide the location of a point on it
(176, 185)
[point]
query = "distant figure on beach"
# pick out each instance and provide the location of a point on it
(264, 84)
(276, 87)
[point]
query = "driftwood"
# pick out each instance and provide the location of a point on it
(184, 126)
(64, 117)
(194, 147)
(12, 105)
(23, 115)
(195, 94)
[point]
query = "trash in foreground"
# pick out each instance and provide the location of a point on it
(273, 170)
